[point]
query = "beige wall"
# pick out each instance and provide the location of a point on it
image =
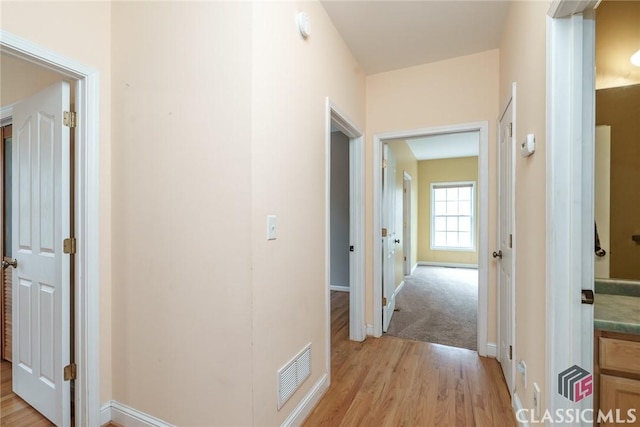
(405, 162)
(444, 170)
(88, 24)
(291, 79)
(182, 297)
(526, 32)
(454, 91)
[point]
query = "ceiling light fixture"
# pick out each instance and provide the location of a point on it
(635, 58)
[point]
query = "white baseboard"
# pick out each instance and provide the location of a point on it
(516, 404)
(105, 413)
(369, 329)
(306, 405)
(339, 288)
(397, 291)
(128, 416)
(447, 264)
(492, 349)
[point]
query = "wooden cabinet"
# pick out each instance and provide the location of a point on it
(617, 377)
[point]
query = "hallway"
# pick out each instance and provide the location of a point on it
(392, 381)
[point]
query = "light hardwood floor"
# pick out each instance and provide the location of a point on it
(389, 381)
(15, 412)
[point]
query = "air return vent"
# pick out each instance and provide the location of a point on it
(292, 375)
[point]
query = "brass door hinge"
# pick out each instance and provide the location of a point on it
(384, 301)
(69, 119)
(384, 232)
(384, 164)
(70, 372)
(510, 352)
(69, 245)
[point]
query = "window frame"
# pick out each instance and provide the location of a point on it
(472, 216)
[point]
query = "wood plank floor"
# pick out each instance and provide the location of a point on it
(389, 381)
(15, 412)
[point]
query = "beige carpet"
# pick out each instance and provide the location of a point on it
(438, 305)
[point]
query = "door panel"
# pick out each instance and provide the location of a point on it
(41, 280)
(505, 229)
(388, 244)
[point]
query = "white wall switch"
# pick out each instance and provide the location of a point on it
(271, 227)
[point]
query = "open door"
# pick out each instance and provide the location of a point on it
(504, 255)
(388, 236)
(41, 269)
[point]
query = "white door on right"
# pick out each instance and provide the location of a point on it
(504, 254)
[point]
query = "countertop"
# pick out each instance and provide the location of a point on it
(617, 306)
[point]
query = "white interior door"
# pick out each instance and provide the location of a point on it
(406, 223)
(602, 200)
(505, 253)
(389, 241)
(41, 220)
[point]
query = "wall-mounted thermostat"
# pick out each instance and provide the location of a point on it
(528, 146)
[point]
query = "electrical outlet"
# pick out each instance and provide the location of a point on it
(537, 403)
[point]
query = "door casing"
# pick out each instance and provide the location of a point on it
(483, 219)
(86, 212)
(570, 181)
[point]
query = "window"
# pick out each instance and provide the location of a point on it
(452, 216)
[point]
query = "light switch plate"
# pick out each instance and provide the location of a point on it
(271, 227)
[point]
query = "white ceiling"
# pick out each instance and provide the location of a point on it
(393, 34)
(446, 146)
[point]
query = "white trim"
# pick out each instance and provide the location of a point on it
(105, 413)
(398, 289)
(308, 402)
(483, 219)
(516, 404)
(338, 120)
(492, 349)
(570, 212)
(565, 8)
(340, 288)
(413, 269)
(6, 114)
(128, 416)
(445, 264)
(87, 198)
(369, 329)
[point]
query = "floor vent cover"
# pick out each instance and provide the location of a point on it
(292, 375)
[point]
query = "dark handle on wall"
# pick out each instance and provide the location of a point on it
(497, 254)
(636, 238)
(397, 240)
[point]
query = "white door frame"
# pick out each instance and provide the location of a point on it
(512, 320)
(483, 220)
(570, 177)
(357, 328)
(407, 206)
(86, 170)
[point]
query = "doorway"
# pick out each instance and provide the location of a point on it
(336, 121)
(483, 226)
(86, 214)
